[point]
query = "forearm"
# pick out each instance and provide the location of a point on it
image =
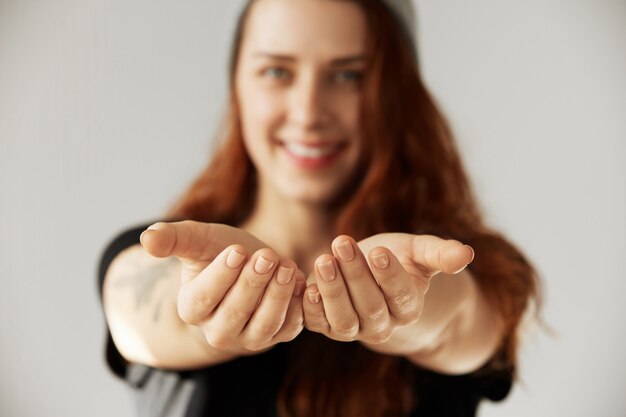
(139, 297)
(457, 331)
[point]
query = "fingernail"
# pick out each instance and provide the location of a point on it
(284, 275)
(314, 296)
(327, 270)
(234, 259)
(155, 226)
(345, 251)
(262, 265)
(381, 260)
(141, 237)
(300, 284)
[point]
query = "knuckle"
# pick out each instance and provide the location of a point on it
(203, 301)
(358, 272)
(408, 314)
(236, 314)
(278, 296)
(401, 297)
(264, 331)
(255, 281)
(380, 337)
(382, 327)
(317, 320)
(376, 312)
(334, 292)
(195, 307)
(346, 327)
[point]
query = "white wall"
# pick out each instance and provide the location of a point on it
(107, 110)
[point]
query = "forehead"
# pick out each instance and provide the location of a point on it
(320, 28)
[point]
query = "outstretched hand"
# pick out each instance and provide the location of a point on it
(239, 292)
(244, 297)
(366, 298)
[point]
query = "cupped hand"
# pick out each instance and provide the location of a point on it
(367, 298)
(240, 293)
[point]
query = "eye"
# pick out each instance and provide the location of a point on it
(348, 77)
(277, 73)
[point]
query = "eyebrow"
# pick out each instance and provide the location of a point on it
(336, 62)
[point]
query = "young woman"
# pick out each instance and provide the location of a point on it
(315, 268)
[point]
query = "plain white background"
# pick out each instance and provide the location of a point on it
(108, 109)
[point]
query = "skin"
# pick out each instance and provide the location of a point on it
(301, 87)
(304, 87)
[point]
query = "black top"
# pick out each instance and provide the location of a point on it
(247, 386)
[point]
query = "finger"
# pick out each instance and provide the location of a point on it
(367, 297)
(270, 314)
(243, 297)
(440, 255)
(402, 297)
(343, 319)
(192, 241)
(314, 315)
(198, 297)
(294, 319)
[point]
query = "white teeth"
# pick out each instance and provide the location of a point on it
(305, 151)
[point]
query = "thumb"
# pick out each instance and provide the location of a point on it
(187, 240)
(192, 241)
(440, 255)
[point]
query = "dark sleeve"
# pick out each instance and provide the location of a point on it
(123, 240)
(459, 395)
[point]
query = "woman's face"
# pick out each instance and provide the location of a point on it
(298, 89)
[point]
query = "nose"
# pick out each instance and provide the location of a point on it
(307, 106)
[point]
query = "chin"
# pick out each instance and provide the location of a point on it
(318, 196)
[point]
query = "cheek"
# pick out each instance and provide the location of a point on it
(260, 113)
(260, 109)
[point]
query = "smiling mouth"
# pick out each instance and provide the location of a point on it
(311, 151)
(312, 155)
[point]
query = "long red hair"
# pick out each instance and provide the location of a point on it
(413, 181)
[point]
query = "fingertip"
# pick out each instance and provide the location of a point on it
(236, 247)
(323, 258)
(341, 238)
(313, 294)
(157, 240)
(157, 226)
(456, 258)
(380, 257)
(235, 255)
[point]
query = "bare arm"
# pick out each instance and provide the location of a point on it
(411, 296)
(140, 303)
(458, 331)
(196, 294)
